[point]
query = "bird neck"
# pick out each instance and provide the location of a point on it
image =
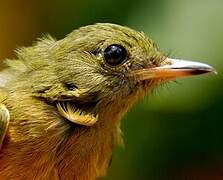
(78, 151)
(87, 151)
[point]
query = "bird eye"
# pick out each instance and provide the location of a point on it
(115, 54)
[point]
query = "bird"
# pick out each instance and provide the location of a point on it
(62, 101)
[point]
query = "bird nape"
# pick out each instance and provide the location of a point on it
(62, 101)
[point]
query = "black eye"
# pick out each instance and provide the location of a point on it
(115, 54)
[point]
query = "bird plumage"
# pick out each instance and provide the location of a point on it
(66, 102)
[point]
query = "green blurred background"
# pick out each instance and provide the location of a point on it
(175, 133)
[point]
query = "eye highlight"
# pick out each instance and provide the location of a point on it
(115, 54)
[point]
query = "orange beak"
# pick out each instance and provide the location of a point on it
(174, 68)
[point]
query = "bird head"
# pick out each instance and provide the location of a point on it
(101, 68)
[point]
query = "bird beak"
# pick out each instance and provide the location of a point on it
(174, 68)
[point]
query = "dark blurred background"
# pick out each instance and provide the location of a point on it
(175, 133)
